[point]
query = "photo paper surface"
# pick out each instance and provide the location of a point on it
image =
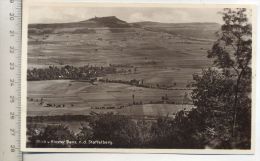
(138, 78)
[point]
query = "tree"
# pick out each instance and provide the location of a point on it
(233, 51)
(223, 91)
(211, 96)
(119, 129)
(133, 97)
(43, 137)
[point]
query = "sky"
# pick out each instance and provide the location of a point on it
(61, 14)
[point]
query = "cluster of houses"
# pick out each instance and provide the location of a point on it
(108, 107)
(140, 83)
(68, 72)
(46, 104)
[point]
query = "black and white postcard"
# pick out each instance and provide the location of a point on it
(148, 78)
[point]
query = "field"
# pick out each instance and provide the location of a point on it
(135, 46)
(80, 98)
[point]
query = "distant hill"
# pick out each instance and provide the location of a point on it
(198, 30)
(110, 21)
(157, 24)
(169, 51)
(86, 26)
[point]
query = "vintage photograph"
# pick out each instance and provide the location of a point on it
(138, 76)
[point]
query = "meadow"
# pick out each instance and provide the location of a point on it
(75, 98)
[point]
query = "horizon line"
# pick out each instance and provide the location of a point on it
(126, 21)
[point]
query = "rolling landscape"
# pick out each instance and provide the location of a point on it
(103, 65)
(142, 78)
(161, 56)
